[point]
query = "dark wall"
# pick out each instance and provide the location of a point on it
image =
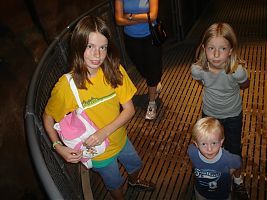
(180, 15)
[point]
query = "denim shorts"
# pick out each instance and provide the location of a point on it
(111, 174)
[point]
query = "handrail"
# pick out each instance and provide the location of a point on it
(36, 154)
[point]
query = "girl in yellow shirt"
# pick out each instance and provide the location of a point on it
(106, 93)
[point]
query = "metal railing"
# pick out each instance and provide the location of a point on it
(60, 180)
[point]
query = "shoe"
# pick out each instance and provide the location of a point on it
(142, 185)
(151, 112)
(159, 88)
(240, 192)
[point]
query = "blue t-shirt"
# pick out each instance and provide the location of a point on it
(213, 178)
(135, 7)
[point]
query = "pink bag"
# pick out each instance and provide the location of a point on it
(76, 127)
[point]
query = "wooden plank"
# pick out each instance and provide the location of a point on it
(85, 178)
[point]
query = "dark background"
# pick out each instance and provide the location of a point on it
(26, 29)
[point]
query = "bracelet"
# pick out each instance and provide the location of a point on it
(130, 16)
(55, 143)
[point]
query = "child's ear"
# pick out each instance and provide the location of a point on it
(222, 140)
(195, 143)
(230, 52)
(203, 46)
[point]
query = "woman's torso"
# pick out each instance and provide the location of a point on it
(136, 7)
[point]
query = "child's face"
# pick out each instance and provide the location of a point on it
(209, 147)
(217, 52)
(95, 52)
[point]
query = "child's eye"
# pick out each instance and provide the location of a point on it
(104, 48)
(210, 48)
(89, 46)
(215, 143)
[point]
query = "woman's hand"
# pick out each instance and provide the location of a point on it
(68, 154)
(123, 19)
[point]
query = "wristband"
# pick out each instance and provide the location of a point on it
(130, 16)
(55, 143)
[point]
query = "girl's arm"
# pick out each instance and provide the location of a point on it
(70, 155)
(124, 18)
(99, 136)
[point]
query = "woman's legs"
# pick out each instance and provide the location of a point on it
(148, 60)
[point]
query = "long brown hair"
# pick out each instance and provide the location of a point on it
(219, 30)
(79, 40)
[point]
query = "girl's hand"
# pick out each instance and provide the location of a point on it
(100, 135)
(95, 139)
(70, 155)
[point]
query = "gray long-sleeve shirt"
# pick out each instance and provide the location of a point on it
(221, 95)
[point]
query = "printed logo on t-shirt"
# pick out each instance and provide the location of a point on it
(95, 101)
(207, 177)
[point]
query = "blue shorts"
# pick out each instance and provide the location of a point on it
(111, 175)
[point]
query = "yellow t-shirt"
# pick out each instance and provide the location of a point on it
(101, 102)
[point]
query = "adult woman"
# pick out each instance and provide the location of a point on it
(132, 14)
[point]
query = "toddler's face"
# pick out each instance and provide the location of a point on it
(217, 51)
(209, 147)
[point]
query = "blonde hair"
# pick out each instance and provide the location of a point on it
(219, 30)
(205, 127)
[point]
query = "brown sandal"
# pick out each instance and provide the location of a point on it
(142, 185)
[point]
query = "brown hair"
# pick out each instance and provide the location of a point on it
(79, 40)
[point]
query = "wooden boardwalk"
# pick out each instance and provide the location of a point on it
(162, 143)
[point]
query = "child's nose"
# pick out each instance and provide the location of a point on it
(209, 147)
(216, 53)
(96, 52)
